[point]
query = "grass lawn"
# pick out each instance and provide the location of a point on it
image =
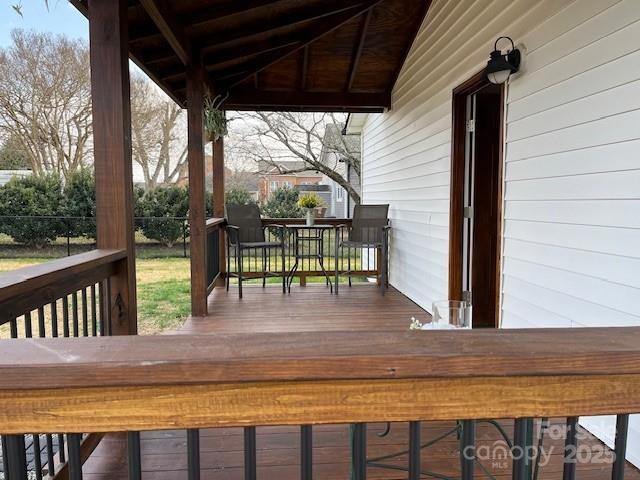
(163, 291)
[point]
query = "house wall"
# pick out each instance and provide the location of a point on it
(572, 163)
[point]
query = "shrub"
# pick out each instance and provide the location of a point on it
(165, 201)
(283, 204)
(80, 203)
(33, 196)
(238, 196)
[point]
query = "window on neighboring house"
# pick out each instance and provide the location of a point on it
(288, 184)
(274, 185)
(340, 194)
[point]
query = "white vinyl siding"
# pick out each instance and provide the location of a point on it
(572, 161)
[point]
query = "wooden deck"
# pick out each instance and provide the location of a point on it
(313, 308)
(305, 309)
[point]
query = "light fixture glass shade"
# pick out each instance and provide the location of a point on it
(499, 77)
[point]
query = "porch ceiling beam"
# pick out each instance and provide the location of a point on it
(216, 41)
(304, 68)
(242, 99)
(353, 69)
(171, 30)
(242, 72)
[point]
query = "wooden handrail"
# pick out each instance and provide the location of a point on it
(163, 382)
(31, 287)
(215, 223)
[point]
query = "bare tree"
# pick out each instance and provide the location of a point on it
(271, 138)
(158, 133)
(45, 100)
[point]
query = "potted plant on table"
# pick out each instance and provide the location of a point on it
(309, 202)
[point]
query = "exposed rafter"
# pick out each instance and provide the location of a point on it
(240, 73)
(164, 18)
(304, 68)
(358, 50)
(217, 41)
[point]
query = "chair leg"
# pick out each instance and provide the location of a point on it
(349, 265)
(337, 263)
(283, 270)
(264, 267)
(239, 271)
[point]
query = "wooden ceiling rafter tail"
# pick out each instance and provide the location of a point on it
(82, 6)
(311, 35)
(173, 32)
(353, 69)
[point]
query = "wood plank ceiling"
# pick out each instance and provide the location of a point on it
(311, 55)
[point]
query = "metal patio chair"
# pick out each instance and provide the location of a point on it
(245, 232)
(369, 229)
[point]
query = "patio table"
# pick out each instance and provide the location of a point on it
(309, 236)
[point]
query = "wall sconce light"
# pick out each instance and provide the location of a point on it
(500, 66)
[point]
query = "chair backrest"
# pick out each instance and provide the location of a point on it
(247, 219)
(368, 222)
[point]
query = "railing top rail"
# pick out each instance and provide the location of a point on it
(260, 357)
(27, 279)
(215, 222)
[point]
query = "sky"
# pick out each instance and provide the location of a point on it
(62, 17)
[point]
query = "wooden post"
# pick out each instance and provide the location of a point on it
(112, 152)
(218, 201)
(197, 194)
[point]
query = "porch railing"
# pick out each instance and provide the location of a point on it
(70, 297)
(134, 384)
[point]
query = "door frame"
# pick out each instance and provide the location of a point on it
(456, 195)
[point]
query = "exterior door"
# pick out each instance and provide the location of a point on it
(477, 194)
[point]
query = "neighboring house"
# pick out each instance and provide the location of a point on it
(568, 170)
(341, 204)
(232, 178)
(272, 179)
(6, 175)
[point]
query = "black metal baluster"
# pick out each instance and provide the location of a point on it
(28, 332)
(16, 457)
(570, 449)
(85, 314)
(37, 460)
(50, 461)
(61, 453)
(306, 452)
(133, 454)
(193, 453)
(518, 451)
(108, 308)
(75, 461)
(54, 318)
(74, 304)
(13, 327)
(467, 449)
(94, 312)
(414, 450)
(5, 455)
(101, 310)
(360, 451)
(42, 332)
(250, 453)
(620, 451)
(65, 316)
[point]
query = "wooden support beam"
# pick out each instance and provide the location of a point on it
(240, 73)
(111, 109)
(353, 69)
(197, 208)
(304, 68)
(246, 99)
(164, 18)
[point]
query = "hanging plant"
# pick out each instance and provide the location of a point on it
(215, 119)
